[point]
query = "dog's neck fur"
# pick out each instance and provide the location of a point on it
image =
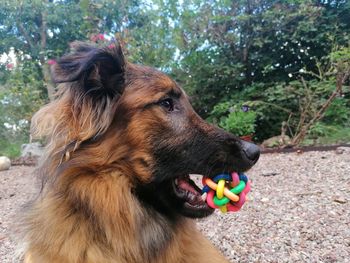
(140, 228)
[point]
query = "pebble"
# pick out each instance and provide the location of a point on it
(341, 150)
(5, 163)
(264, 200)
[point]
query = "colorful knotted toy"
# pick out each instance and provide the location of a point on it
(226, 191)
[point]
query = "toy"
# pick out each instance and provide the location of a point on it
(226, 191)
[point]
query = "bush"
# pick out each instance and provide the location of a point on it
(321, 134)
(338, 113)
(239, 123)
(20, 97)
(234, 117)
(11, 149)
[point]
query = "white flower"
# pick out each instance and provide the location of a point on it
(290, 75)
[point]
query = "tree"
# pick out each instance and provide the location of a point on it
(32, 28)
(42, 30)
(219, 51)
(243, 50)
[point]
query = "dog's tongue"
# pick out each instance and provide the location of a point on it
(184, 183)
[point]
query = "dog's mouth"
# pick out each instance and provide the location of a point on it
(190, 194)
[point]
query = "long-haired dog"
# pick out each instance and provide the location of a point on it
(121, 142)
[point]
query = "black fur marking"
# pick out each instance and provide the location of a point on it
(154, 196)
(99, 71)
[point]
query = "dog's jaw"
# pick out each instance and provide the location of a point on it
(191, 196)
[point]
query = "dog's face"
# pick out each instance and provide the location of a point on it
(151, 131)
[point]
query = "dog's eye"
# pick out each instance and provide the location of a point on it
(168, 104)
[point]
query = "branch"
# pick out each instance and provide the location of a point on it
(303, 111)
(341, 78)
(274, 105)
(25, 34)
(43, 36)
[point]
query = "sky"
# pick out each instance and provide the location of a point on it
(5, 57)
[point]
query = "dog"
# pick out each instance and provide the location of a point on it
(122, 140)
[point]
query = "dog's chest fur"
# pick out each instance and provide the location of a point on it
(151, 238)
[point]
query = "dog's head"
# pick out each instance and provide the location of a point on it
(114, 115)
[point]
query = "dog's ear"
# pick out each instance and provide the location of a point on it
(97, 71)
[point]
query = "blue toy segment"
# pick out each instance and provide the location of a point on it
(243, 177)
(226, 177)
(205, 189)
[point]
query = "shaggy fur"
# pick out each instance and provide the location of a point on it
(118, 135)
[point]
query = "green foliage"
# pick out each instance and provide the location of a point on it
(239, 123)
(270, 43)
(20, 97)
(322, 133)
(11, 149)
(257, 40)
(338, 113)
(320, 130)
(232, 118)
(337, 134)
(334, 127)
(278, 57)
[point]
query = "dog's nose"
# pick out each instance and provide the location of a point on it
(251, 151)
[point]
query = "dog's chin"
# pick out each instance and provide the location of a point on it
(189, 198)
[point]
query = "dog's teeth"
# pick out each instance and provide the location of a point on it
(176, 181)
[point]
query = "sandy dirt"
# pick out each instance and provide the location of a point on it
(298, 211)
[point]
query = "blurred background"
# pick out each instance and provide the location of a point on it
(276, 72)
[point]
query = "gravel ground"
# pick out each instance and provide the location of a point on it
(298, 211)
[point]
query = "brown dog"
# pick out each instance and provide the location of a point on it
(122, 139)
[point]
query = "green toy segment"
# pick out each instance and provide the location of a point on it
(236, 190)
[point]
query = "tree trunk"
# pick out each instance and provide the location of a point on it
(44, 66)
(48, 82)
(247, 43)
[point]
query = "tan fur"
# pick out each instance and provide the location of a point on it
(55, 237)
(87, 212)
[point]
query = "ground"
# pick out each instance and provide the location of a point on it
(298, 211)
